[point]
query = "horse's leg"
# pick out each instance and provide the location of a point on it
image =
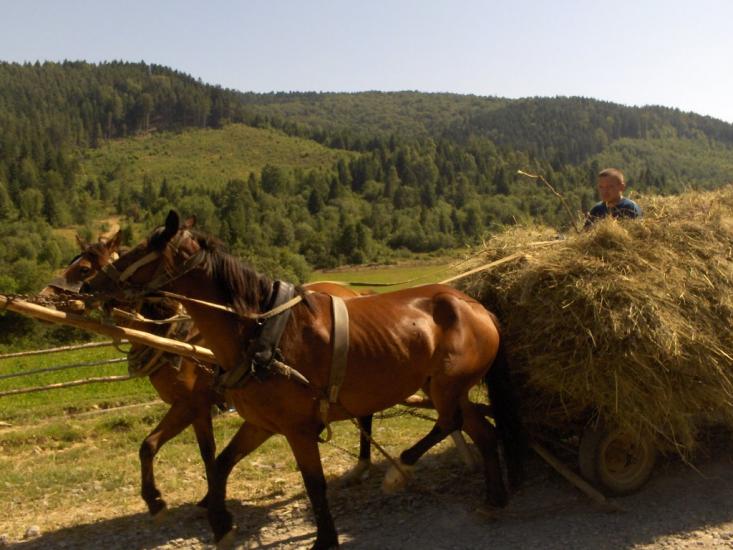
(484, 436)
(178, 417)
(424, 402)
(308, 457)
(463, 450)
(395, 478)
(246, 440)
(204, 429)
(361, 470)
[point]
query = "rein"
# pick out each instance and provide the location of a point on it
(228, 309)
(138, 318)
(163, 277)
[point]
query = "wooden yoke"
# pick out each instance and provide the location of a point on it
(117, 333)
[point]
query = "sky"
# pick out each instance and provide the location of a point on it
(674, 53)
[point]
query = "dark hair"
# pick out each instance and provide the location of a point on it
(614, 173)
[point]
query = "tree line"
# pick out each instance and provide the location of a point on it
(432, 171)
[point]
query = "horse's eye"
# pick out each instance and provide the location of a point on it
(84, 270)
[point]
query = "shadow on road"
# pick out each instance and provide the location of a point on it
(444, 509)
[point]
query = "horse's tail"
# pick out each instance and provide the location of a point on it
(505, 407)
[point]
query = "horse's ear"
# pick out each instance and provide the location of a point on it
(113, 244)
(81, 242)
(189, 223)
(172, 224)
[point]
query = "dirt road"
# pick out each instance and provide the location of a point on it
(679, 508)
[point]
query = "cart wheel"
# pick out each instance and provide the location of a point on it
(614, 461)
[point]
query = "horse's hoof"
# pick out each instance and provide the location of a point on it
(329, 545)
(395, 480)
(156, 507)
(160, 515)
(498, 500)
(227, 541)
(203, 503)
(357, 474)
(488, 512)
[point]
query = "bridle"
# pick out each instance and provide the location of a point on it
(162, 276)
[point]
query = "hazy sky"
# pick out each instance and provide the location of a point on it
(674, 53)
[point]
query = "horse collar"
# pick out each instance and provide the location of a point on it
(262, 350)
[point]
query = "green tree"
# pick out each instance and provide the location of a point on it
(7, 207)
(31, 204)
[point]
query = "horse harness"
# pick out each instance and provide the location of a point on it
(146, 360)
(262, 356)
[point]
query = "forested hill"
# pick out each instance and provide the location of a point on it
(302, 180)
(565, 129)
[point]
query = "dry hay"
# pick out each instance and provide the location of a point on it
(629, 321)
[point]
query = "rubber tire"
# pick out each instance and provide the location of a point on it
(613, 463)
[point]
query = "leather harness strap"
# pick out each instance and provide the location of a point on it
(340, 347)
(339, 360)
(277, 310)
(262, 350)
(145, 361)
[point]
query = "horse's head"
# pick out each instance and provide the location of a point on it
(89, 261)
(168, 253)
(93, 257)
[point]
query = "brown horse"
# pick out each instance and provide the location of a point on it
(183, 384)
(431, 337)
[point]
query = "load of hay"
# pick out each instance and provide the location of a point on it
(629, 321)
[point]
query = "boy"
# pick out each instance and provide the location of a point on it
(611, 185)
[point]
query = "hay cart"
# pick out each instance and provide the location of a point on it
(610, 458)
(620, 336)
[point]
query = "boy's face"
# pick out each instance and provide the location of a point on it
(610, 189)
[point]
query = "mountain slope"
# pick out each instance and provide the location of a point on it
(204, 157)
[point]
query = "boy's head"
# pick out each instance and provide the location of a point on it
(611, 185)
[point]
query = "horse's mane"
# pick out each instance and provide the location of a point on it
(244, 288)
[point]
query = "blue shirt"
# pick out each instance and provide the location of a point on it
(625, 208)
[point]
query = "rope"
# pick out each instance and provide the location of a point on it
(252, 316)
(483, 267)
(381, 449)
(342, 449)
(66, 385)
(503, 260)
(554, 192)
(64, 367)
(138, 318)
(58, 349)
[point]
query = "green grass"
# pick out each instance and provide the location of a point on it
(397, 277)
(33, 407)
(92, 462)
(62, 446)
(205, 157)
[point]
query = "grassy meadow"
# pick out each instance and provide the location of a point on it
(70, 456)
(66, 460)
(205, 157)
(389, 278)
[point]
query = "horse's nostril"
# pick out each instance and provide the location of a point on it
(85, 288)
